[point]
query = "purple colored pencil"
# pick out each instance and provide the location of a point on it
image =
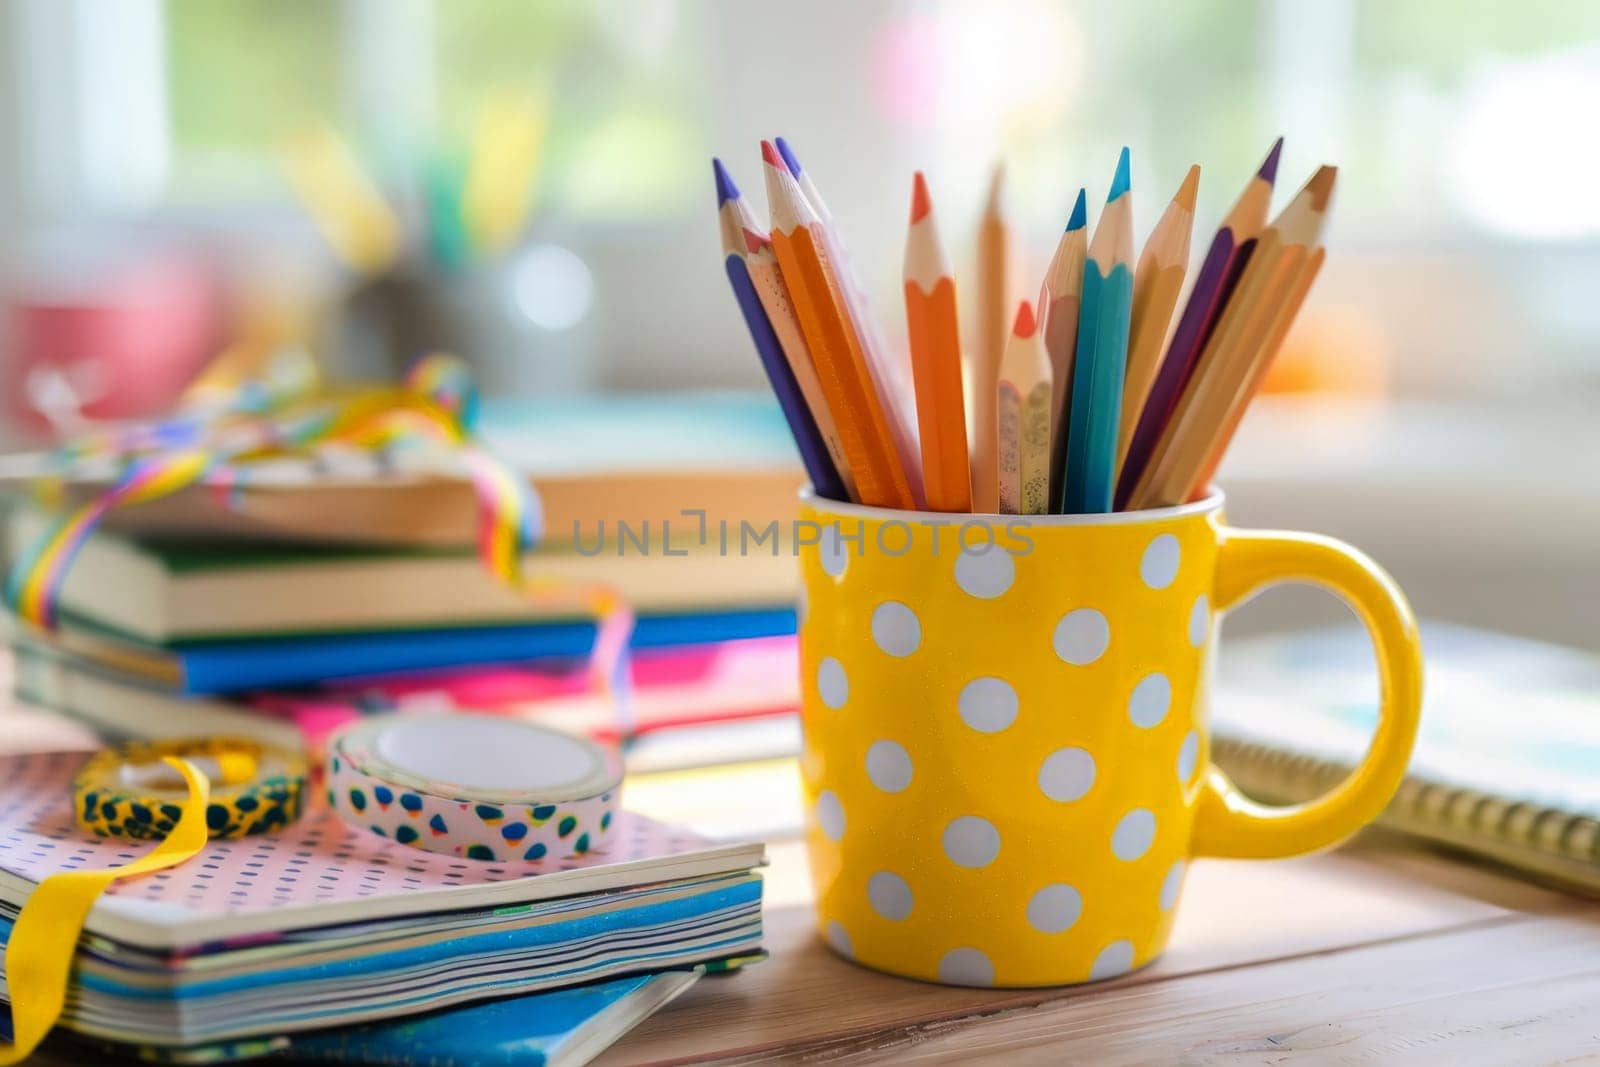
(1214, 284)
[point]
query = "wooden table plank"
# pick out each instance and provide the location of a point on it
(1519, 990)
(1234, 915)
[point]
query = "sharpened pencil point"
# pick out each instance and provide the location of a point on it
(1269, 166)
(1186, 192)
(726, 190)
(1321, 186)
(1080, 212)
(1025, 322)
(1121, 183)
(788, 157)
(920, 204)
(770, 155)
(996, 203)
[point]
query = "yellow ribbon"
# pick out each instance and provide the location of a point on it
(45, 937)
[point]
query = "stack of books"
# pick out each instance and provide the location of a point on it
(308, 939)
(295, 604)
(303, 600)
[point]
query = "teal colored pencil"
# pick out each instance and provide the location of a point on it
(1089, 482)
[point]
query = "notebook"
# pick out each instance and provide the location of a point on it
(674, 689)
(224, 666)
(173, 591)
(326, 925)
(375, 878)
(1507, 763)
(557, 1029)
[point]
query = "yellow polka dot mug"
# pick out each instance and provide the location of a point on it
(1006, 761)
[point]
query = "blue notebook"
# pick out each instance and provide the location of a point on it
(227, 666)
(566, 1027)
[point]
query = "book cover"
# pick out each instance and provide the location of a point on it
(170, 591)
(224, 666)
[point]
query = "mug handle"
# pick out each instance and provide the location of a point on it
(1227, 823)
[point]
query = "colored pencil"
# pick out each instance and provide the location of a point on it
(935, 342)
(1022, 419)
(841, 362)
(1286, 259)
(346, 206)
(991, 328)
(1059, 298)
(503, 169)
(769, 314)
(1156, 283)
(807, 186)
(1088, 483)
(1224, 262)
(890, 369)
(1302, 224)
(445, 234)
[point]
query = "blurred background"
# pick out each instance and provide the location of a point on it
(1433, 403)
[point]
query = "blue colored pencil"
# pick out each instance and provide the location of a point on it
(1089, 481)
(741, 240)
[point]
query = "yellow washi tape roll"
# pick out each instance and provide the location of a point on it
(132, 792)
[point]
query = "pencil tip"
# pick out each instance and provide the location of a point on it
(1321, 185)
(1024, 324)
(788, 156)
(920, 204)
(1186, 192)
(997, 189)
(771, 156)
(1120, 183)
(726, 190)
(1269, 166)
(1080, 212)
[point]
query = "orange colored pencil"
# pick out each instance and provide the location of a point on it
(1156, 283)
(891, 369)
(935, 343)
(841, 364)
(994, 306)
(1260, 310)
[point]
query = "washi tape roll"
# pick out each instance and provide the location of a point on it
(129, 792)
(478, 786)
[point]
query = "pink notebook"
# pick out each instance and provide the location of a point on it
(319, 872)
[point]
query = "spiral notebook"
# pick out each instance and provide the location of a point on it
(1507, 763)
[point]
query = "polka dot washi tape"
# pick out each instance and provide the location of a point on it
(480, 787)
(129, 792)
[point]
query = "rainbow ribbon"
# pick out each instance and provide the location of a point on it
(214, 441)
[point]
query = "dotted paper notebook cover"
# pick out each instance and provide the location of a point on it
(318, 872)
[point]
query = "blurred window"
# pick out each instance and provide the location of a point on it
(245, 73)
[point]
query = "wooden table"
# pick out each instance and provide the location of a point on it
(1374, 953)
